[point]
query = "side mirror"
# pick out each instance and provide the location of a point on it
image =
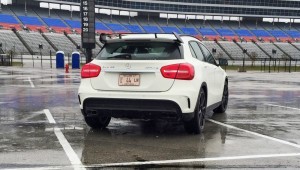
(223, 62)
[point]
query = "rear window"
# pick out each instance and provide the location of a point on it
(139, 51)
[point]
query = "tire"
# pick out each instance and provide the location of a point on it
(99, 122)
(196, 125)
(224, 103)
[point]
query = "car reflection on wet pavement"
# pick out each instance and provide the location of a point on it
(41, 127)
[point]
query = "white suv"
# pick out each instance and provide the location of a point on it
(152, 76)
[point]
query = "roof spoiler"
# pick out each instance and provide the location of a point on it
(106, 37)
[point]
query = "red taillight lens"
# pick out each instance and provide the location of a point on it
(169, 71)
(183, 71)
(90, 70)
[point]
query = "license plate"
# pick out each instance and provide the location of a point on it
(129, 80)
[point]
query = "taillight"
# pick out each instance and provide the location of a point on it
(182, 71)
(90, 70)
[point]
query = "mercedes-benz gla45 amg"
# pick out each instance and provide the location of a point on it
(152, 76)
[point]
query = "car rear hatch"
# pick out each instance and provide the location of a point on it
(135, 66)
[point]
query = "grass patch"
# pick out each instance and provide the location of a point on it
(17, 64)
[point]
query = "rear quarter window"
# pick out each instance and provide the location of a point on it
(140, 51)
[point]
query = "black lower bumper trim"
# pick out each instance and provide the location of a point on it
(132, 108)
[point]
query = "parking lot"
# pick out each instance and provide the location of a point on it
(41, 127)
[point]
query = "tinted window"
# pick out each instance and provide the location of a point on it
(197, 50)
(140, 51)
(192, 51)
(208, 56)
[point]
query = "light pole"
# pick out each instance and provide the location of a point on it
(41, 47)
(273, 54)
(244, 52)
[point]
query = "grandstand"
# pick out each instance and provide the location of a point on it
(22, 28)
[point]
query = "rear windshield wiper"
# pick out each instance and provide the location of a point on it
(121, 56)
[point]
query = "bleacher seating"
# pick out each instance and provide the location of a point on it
(170, 29)
(297, 56)
(235, 51)
(219, 52)
(268, 47)
(57, 25)
(54, 22)
(8, 22)
(217, 24)
(33, 23)
(293, 33)
(117, 27)
(253, 50)
(62, 21)
(101, 28)
(62, 43)
(243, 33)
(5, 18)
(73, 23)
(189, 30)
(28, 20)
(134, 28)
(289, 49)
(207, 32)
(10, 41)
(151, 29)
(225, 32)
(277, 33)
(33, 39)
(261, 33)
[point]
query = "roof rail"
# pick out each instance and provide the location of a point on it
(104, 37)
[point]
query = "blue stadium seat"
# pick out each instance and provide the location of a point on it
(278, 33)
(26, 20)
(5, 18)
(73, 24)
(134, 28)
(294, 34)
(207, 32)
(261, 33)
(190, 31)
(54, 22)
(225, 32)
(152, 29)
(117, 27)
(100, 26)
(243, 33)
(170, 29)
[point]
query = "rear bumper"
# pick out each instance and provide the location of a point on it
(133, 108)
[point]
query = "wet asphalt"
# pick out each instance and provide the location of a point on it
(259, 130)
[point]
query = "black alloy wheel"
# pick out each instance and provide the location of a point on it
(224, 103)
(98, 122)
(196, 125)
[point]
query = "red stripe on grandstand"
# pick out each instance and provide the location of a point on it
(37, 28)
(11, 26)
(231, 38)
(61, 30)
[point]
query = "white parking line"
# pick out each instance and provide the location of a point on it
(194, 160)
(31, 83)
(293, 108)
(75, 161)
(49, 116)
(256, 134)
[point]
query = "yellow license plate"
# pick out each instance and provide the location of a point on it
(129, 80)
